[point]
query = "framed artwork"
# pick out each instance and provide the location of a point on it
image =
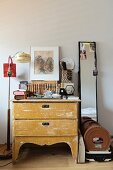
(44, 63)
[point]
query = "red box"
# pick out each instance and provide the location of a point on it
(9, 67)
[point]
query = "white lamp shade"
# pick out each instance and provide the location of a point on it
(22, 57)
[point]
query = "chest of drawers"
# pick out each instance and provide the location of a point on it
(45, 122)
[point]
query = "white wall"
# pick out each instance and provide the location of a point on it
(25, 23)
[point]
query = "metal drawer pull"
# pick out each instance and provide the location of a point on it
(45, 123)
(45, 106)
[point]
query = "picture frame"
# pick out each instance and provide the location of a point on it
(44, 63)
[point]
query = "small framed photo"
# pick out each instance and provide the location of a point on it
(23, 85)
(44, 63)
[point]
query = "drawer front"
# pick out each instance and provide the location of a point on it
(44, 110)
(45, 127)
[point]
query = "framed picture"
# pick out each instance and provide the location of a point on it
(44, 63)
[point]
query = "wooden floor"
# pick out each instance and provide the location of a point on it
(51, 158)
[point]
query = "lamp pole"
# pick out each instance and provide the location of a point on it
(9, 70)
(8, 111)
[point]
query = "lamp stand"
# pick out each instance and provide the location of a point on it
(8, 118)
(10, 71)
(5, 151)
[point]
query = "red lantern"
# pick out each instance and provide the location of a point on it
(9, 68)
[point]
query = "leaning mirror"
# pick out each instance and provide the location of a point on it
(88, 79)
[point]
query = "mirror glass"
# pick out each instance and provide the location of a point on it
(88, 79)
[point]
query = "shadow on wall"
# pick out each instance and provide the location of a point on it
(75, 81)
(105, 114)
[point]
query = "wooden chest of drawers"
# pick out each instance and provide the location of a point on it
(45, 122)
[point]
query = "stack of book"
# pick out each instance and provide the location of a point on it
(20, 94)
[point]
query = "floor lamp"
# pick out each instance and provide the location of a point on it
(9, 70)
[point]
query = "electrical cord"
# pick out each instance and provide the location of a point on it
(8, 156)
(11, 161)
(6, 164)
(4, 157)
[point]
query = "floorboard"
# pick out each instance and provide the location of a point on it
(55, 157)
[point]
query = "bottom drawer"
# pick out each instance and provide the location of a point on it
(45, 127)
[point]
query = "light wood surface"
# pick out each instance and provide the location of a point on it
(51, 158)
(36, 128)
(55, 110)
(45, 122)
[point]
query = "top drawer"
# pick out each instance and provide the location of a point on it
(44, 110)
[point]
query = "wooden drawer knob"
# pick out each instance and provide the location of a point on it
(45, 123)
(45, 106)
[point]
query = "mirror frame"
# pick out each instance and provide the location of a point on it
(79, 77)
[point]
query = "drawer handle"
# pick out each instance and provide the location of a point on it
(45, 106)
(45, 123)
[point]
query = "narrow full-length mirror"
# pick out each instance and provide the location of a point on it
(88, 79)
